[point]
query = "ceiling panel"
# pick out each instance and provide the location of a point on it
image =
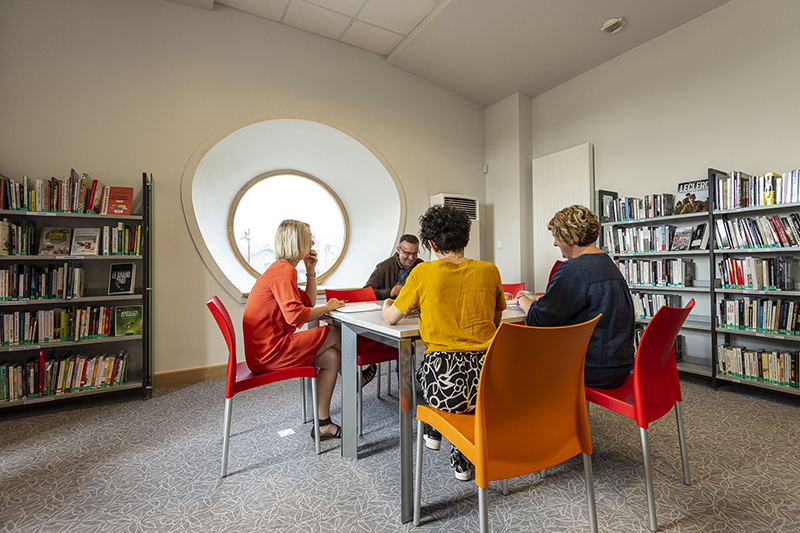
(397, 16)
(371, 38)
(268, 9)
(487, 51)
(345, 7)
(315, 19)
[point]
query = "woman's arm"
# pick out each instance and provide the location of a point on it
(317, 312)
(391, 314)
(311, 275)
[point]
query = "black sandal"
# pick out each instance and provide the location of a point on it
(369, 374)
(327, 422)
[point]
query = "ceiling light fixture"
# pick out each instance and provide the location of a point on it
(613, 25)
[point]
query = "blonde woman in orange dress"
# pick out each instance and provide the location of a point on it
(277, 307)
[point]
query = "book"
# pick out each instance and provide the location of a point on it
(121, 278)
(682, 239)
(128, 320)
(699, 237)
(85, 241)
(54, 241)
(95, 197)
(692, 197)
(119, 200)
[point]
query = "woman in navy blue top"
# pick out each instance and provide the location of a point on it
(587, 284)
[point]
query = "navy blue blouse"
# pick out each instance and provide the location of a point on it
(580, 289)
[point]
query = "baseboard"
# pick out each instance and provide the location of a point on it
(189, 375)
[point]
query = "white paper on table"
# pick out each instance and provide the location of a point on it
(359, 307)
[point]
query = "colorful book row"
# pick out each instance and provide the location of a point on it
(69, 373)
(756, 273)
(739, 189)
(774, 367)
(74, 194)
(37, 282)
(658, 272)
(763, 315)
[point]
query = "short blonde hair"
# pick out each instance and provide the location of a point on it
(292, 240)
(575, 225)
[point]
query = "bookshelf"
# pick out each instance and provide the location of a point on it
(754, 341)
(739, 328)
(639, 234)
(41, 314)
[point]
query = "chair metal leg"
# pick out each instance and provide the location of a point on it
(226, 435)
(482, 510)
(315, 407)
(360, 405)
(418, 474)
(648, 481)
(682, 440)
(587, 470)
(389, 379)
(305, 398)
(504, 486)
(378, 366)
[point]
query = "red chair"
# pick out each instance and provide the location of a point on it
(512, 289)
(241, 379)
(652, 389)
(369, 352)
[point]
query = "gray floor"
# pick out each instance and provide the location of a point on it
(128, 465)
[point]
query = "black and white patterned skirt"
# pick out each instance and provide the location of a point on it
(450, 380)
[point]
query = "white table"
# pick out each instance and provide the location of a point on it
(371, 324)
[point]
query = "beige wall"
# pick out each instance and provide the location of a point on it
(508, 187)
(720, 91)
(117, 87)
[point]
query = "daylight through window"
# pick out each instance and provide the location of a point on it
(270, 198)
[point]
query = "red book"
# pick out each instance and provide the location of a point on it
(41, 371)
(3, 194)
(120, 200)
(776, 223)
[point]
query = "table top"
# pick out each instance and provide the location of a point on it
(407, 327)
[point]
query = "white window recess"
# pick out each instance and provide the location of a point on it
(470, 205)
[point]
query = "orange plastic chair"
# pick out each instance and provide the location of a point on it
(241, 379)
(652, 389)
(368, 351)
(530, 413)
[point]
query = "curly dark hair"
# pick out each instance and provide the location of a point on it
(447, 226)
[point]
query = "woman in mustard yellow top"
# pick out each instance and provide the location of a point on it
(460, 302)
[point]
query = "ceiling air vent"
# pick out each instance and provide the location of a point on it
(613, 25)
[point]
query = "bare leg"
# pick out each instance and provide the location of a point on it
(329, 362)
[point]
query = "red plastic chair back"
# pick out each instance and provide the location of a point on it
(352, 295)
(240, 378)
(226, 326)
(513, 288)
(553, 270)
(655, 376)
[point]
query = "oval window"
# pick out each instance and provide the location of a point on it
(287, 194)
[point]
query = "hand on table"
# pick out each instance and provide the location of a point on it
(334, 304)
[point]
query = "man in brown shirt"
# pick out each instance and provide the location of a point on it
(390, 275)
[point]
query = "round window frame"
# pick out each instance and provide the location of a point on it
(286, 172)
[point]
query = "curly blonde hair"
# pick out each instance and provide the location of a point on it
(575, 225)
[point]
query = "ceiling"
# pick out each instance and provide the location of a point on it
(483, 50)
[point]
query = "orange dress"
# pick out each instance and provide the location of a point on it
(275, 309)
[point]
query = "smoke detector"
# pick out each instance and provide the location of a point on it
(613, 25)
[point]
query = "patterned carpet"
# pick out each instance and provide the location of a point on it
(126, 465)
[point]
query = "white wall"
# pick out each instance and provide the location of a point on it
(118, 87)
(508, 187)
(720, 91)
